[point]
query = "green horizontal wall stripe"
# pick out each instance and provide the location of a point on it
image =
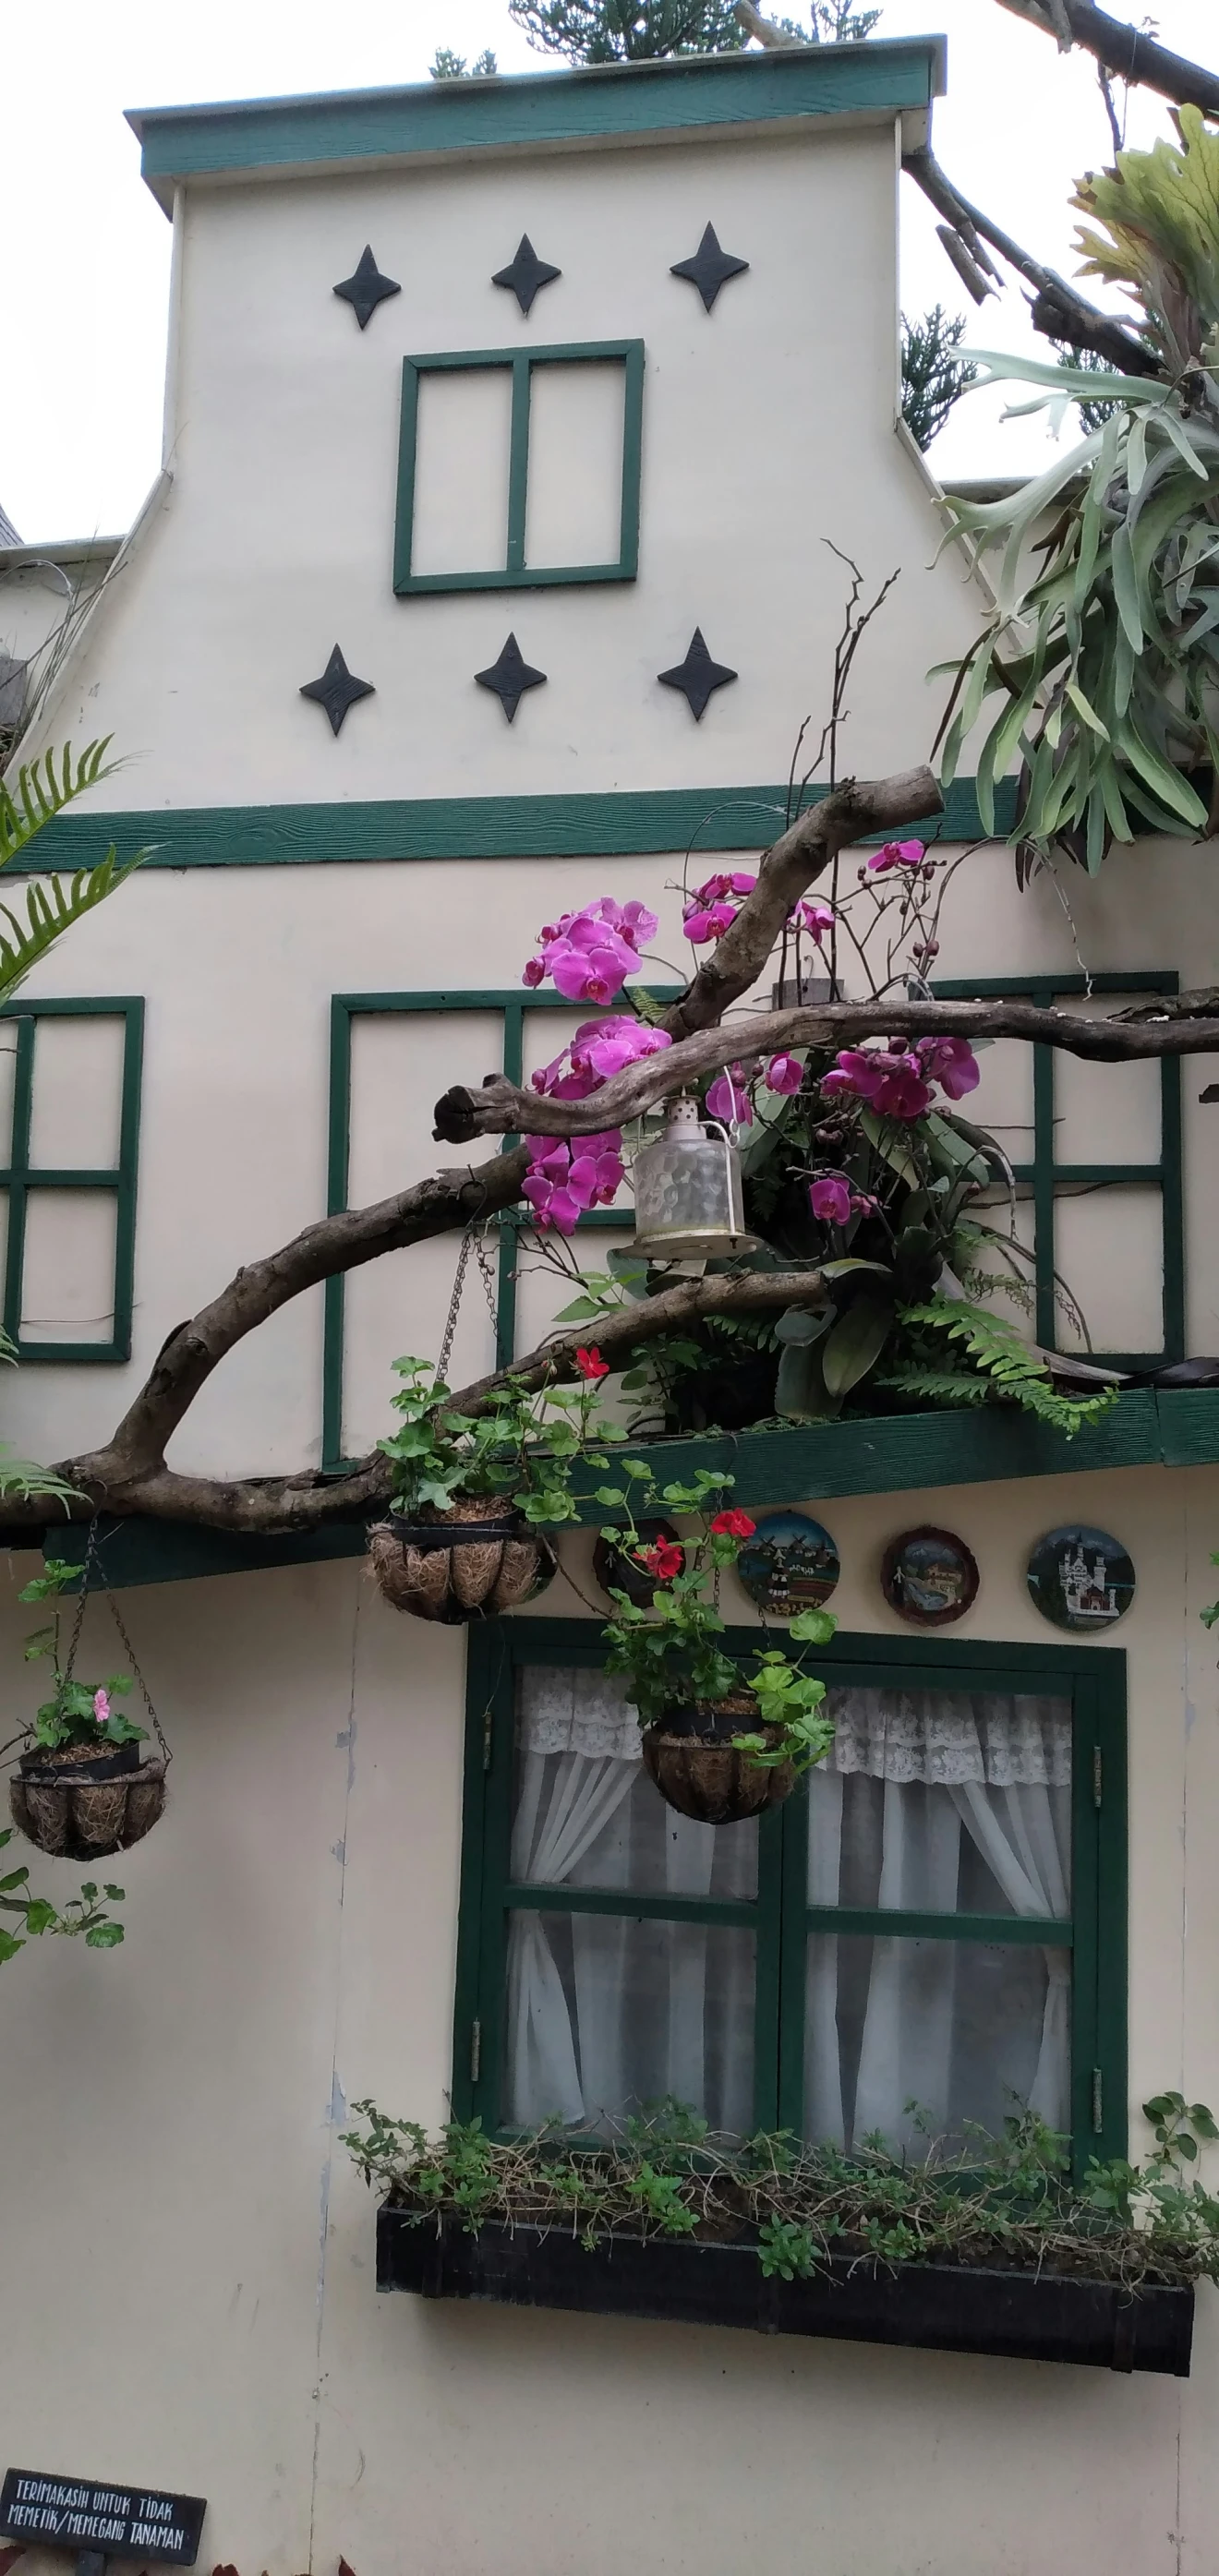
(616, 825)
(537, 109)
(892, 1455)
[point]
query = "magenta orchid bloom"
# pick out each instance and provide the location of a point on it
(951, 1062)
(564, 1181)
(816, 918)
(784, 1073)
(589, 954)
(599, 1050)
(101, 1707)
(897, 854)
(712, 907)
(728, 1101)
(892, 1084)
(830, 1198)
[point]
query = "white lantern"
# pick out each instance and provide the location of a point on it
(688, 1203)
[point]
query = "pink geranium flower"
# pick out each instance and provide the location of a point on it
(101, 1707)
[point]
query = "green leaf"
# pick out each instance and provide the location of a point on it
(856, 1343)
(104, 1936)
(9, 1946)
(39, 1915)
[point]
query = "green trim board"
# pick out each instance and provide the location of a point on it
(519, 364)
(512, 1003)
(20, 1179)
(538, 111)
(1047, 1176)
(895, 1454)
(627, 823)
(780, 1917)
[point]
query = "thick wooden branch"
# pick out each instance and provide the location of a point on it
(501, 1109)
(1134, 57)
(856, 811)
(1058, 309)
(648, 1319)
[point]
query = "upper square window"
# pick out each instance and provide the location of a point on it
(519, 468)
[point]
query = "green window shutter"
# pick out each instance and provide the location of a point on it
(22, 1180)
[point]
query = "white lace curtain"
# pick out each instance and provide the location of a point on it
(932, 1802)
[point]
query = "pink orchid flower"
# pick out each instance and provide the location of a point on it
(784, 1073)
(728, 1101)
(815, 918)
(892, 1084)
(564, 1181)
(896, 854)
(713, 907)
(589, 954)
(951, 1062)
(830, 1198)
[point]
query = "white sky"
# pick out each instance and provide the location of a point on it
(87, 270)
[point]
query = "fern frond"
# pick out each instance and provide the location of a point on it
(53, 906)
(1015, 1374)
(25, 1477)
(937, 1386)
(44, 787)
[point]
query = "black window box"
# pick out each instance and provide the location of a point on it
(942, 2307)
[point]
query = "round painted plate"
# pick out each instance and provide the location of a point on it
(929, 1577)
(1080, 1578)
(790, 1564)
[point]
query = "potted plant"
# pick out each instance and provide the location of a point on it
(465, 1535)
(719, 1743)
(82, 1786)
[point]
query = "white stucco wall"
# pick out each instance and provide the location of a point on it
(188, 2256)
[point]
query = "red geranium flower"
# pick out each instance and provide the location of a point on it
(662, 1561)
(591, 1365)
(733, 1525)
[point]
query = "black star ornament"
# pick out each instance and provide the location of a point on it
(366, 288)
(697, 676)
(526, 273)
(510, 677)
(337, 690)
(710, 267)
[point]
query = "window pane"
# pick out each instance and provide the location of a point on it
(944, 1802)
(1109, 1249)
(967, 2031)
(575, 463)
(605, 2015)
(461, 470)
(584, 1812)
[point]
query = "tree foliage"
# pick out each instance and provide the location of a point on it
(450, 66)
(628, 31)
(933, 376)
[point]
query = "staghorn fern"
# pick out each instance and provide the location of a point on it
(1004, 1370)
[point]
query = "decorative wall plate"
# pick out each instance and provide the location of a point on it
(929, 1577)
(614, 1567)
(790, 1565)
(1080, 1578)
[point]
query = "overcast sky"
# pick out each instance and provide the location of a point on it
(87, 271)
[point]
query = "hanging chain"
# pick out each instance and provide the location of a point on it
(91, 1563)
(474, 1239)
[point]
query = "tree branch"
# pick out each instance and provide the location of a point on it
(852, 812)
(1137, 59)
(499, 1108)
(1058, 310)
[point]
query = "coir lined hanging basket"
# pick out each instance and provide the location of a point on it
(690, 1755)
(77, 1803)
(471, 1562)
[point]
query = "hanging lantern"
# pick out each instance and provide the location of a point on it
(688, 1203)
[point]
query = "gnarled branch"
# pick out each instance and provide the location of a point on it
(1136, 58)
(1058, 310)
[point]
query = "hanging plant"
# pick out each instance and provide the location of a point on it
(465, 1538)
(720, 1744)
(1104, 642)
(83, 1787)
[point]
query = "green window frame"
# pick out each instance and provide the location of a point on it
(780, 1916)
(514, 574)
(1046, 1174)
(513, 1004)
(20, 1178)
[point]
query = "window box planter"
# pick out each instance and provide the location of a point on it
(939, 2307)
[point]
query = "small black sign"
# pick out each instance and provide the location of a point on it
(110, 2520)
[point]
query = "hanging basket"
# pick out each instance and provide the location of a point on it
(690, 1755)
(467, 1563)
(78, 1805)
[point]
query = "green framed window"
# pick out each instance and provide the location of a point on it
(1057, 1181)
(69, 1178)
(519, 454)
(935, 1918)
(513, 1005)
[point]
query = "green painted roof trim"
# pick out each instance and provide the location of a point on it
(616, 825)
(537, 109)
(900, 1453)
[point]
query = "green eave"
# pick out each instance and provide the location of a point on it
(623, 823)
(536, 111)
(894, 1454)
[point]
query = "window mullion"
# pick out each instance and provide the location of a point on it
(518, 463)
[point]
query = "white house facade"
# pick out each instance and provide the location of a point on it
(503, 418)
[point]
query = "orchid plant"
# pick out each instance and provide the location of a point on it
(672, 1654)
(522, 1446)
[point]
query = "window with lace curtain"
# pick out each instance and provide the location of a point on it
(928, 1936)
